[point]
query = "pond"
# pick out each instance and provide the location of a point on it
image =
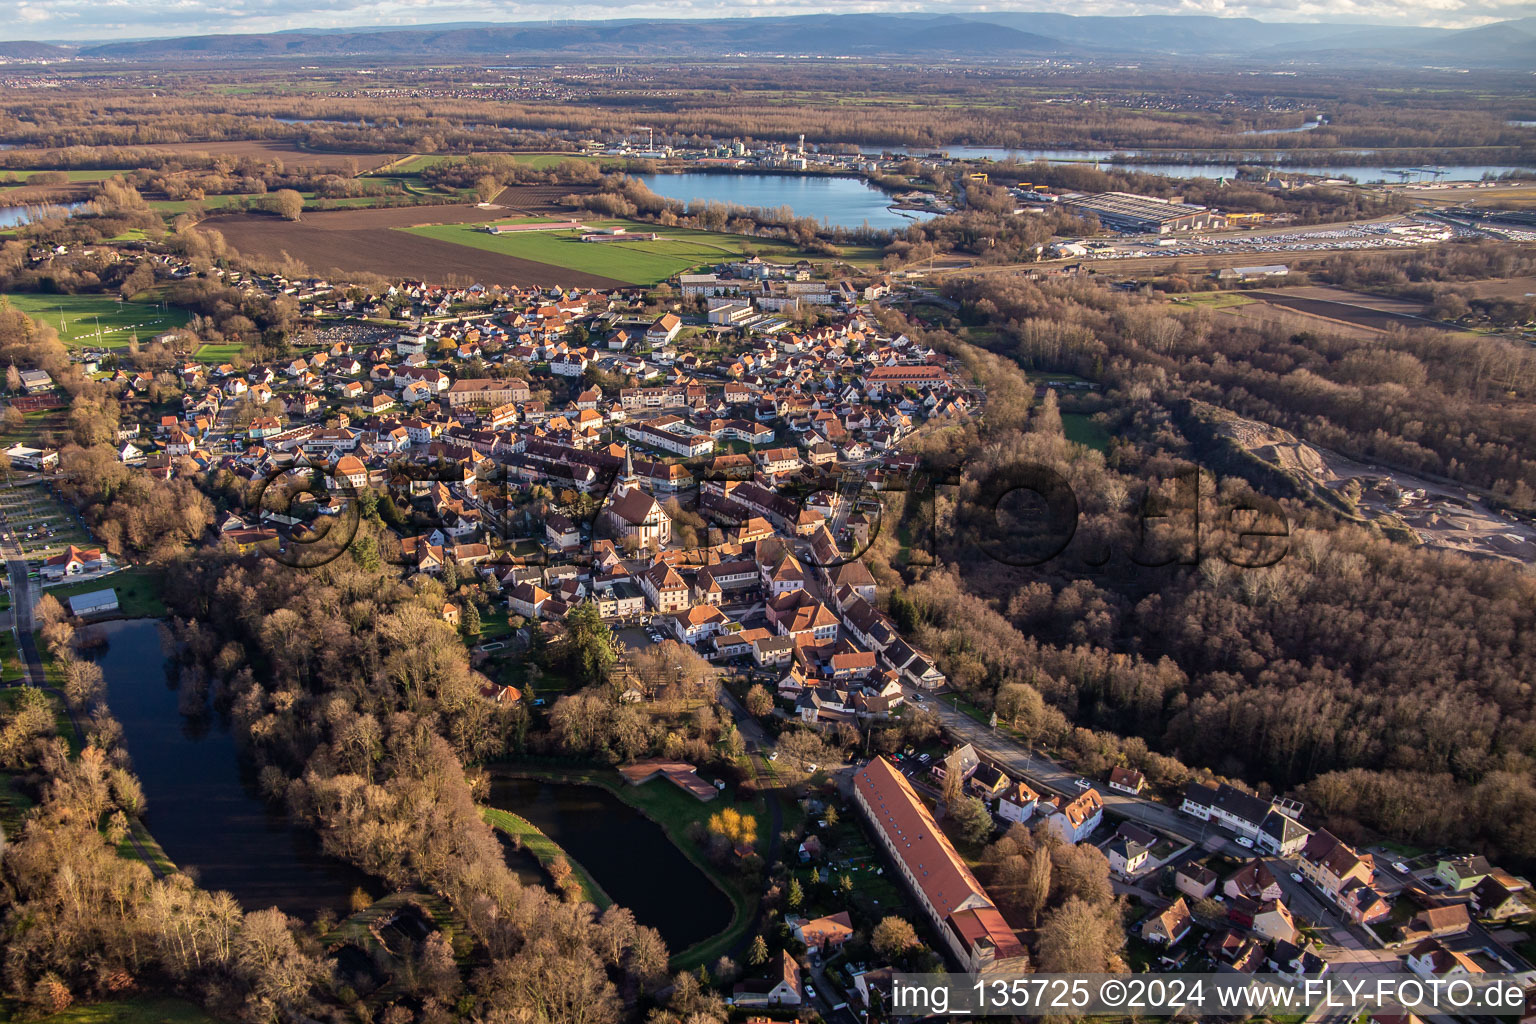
(203, 807)
(625, 852)
(14, 216)
(839, 202)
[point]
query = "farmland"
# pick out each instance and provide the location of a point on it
(339, 242)
(639, 262)
(98, 320)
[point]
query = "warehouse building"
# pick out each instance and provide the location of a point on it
(1122, 211)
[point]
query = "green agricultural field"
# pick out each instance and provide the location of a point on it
(98, 320)
(676, 251)
(410, 165)
(544, 160)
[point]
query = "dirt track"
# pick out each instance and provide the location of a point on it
(335, 242)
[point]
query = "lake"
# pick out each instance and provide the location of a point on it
(839, 202)
(627, 854)
(1101, 157)
(202, 802)
(15, 216)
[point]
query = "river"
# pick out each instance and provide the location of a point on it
(839, 202)
(1101, 157)
(202, 802)
(626, 853)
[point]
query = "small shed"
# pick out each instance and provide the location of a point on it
(97, 602)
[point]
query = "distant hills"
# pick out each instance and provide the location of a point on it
(1510, 44)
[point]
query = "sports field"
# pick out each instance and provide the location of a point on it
(98, 320)
(648, 262)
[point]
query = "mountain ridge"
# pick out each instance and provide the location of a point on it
(979, 34)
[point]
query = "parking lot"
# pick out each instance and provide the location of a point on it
(43, 526)
(1407, 233)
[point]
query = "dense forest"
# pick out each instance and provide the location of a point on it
(1427, 401)
(1390, 686)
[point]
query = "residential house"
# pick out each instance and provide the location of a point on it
(1462, 873)
(1075, 820)
(781, 988)
(1195, 880)
(527, 600)
(1433, 959)
(1127, 857)
(1017, 803)
(825, 933)
(1127, 780)
(1168, 927)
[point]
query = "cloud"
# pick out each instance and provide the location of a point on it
(93, 20)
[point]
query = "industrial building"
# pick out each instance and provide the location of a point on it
(1122, 211)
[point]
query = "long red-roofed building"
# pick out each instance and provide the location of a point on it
(944, 887)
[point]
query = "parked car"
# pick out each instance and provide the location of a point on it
(1296, 877)
(1245, 842)
(1082, 784)
(1398, 865)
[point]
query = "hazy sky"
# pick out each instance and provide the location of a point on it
(78, 20)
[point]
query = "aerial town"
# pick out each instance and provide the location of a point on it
(550, 543)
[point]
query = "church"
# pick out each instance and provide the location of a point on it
(634, 513)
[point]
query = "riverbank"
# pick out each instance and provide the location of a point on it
(546, 851)
(673, 811)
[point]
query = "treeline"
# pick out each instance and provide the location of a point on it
(1444, 278)
(451, 110)
(1352, 670)
(356, 701)
(83, 922)
(1424, 400)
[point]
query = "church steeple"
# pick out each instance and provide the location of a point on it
(629, 479)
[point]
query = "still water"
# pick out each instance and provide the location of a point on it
(202, 801)
(628, 854)
(14, 216)
(840, 202)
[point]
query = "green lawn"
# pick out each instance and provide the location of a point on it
(138, 591)
(98, 320)
(156, 857)
(213, 355)
(677, 251)
(138, 1010)
(1083, 430)
(545, 850)
(410, 165)
(543, 160)
(1212, 300)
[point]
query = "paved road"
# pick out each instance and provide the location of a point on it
(1043, 773)
(23, 595)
